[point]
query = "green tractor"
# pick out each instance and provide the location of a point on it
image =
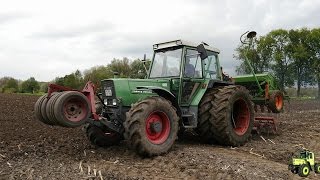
(184, 89)
(303, 162)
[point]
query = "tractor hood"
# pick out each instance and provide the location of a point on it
(297, 161)
(129, 91)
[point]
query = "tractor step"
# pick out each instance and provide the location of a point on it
(189, 121)
(263, 122)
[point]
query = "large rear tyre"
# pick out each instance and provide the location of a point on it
(276, 101)
(102, 137)
(151, 126)
(226, 116)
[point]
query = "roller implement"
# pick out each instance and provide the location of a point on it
(184, 89)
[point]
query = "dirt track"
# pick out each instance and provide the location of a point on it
(32, 150)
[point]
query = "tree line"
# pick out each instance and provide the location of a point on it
(123, 67)
(293, 56)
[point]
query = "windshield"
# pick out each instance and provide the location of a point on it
(166, 63)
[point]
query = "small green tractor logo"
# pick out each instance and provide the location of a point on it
(303, 162)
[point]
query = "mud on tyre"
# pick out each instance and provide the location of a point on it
(151, 126)
(102, 137)
(226, 116)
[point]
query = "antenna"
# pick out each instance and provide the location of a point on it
(248, 38)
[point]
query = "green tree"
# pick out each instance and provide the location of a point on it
(300, 54)
(280, 55)
(120, 66)
(44, 87)
(59, 81)
(73, 80)
(259, 56)
(9, 85)
(138, 69)
(314, 40)
(96, 74)
(30, 86)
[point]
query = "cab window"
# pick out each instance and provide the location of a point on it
(210, 66)
(193, 67)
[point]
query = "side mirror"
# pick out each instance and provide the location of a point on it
(144, 60)
(115, 74)
(203, 52)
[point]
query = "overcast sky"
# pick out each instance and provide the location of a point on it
(46, 39)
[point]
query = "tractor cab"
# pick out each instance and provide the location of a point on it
(189, 68)
(306, 155)
(183, 59)
(187, 65)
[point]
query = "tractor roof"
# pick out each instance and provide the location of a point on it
(180, 42)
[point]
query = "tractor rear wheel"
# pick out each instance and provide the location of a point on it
(304, 170)
(102, 137)
(226, 116)
(151, 126)
(276, 101)
(317, 168)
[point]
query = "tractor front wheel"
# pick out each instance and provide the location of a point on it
(151, 126)
(226, 116)
(304, 170)
(293, 169)
(102, 137)
(317, 168)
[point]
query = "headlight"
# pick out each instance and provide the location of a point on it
(109, 102)
(114, 102)
(108, 91)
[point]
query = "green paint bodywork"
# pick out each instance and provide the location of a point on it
(250, 82)
(129, 91)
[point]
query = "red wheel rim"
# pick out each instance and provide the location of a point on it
(240, 117)
(279, 102)
(157, 135)
(75, 110)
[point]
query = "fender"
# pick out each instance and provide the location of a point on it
(163, 93)
(216, 82)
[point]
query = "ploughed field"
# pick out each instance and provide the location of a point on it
(32, 150)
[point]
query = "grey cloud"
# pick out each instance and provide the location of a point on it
(218, 23)
(12, 16)
(72, 32)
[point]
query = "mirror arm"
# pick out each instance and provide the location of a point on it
(144, 63)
